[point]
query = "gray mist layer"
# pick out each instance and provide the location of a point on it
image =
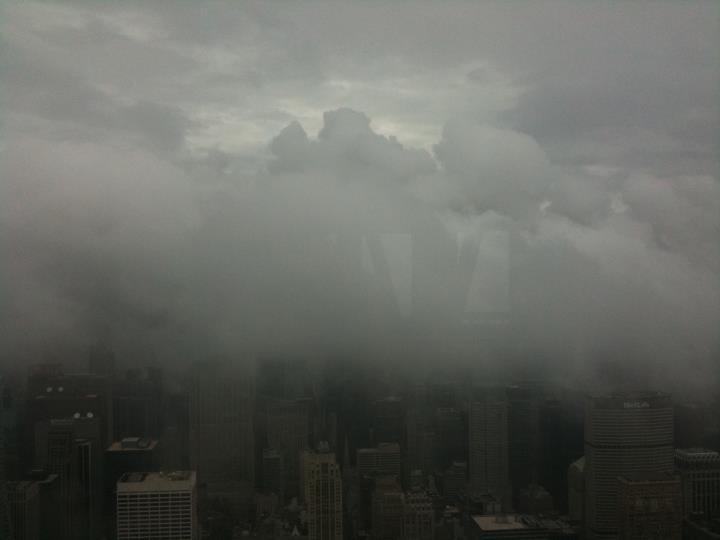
(379, 180)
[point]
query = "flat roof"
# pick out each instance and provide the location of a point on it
(139, 445)
(157, 481)
(697, 453)
(500, 522)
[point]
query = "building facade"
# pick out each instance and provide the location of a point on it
(418, 516)
(323, 494)
(699, 471)
(157, 506)
(221, 418)
(488, 447)
(23, 506)
(383, 460)
(627, 434)
(649, 508)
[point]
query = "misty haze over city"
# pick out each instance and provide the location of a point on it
(517, 191)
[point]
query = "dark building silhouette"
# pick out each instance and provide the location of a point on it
(71, 448)
(51, 504)
(222, 405)
(523, 436)
(288, 432)
(488, 445)
(387, 509)
(273, 473)
(138, 404)
(24, 508)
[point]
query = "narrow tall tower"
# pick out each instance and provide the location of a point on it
(488, 446)
(222, 441)
(323, 494)
(5, 524)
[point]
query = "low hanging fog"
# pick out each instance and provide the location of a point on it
(380, 181)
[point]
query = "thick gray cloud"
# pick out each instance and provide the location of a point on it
(180, 181)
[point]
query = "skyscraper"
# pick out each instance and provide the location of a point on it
(288, 432)
(388, 502)
(5, 522)
(418, 516)
(626, 434)
(222, 439)
(323, 494)
(157, 505)
(649, 507)
(70, 448)
(699, 471)
(523, 436)
(23, 505)
(131, 454)
(383, 460)
(488, 446)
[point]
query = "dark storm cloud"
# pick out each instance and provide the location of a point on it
(181, 182)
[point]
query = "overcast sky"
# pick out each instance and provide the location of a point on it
(182, 179)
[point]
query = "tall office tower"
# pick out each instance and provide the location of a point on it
(427, 451)
(131, 454)
(284, 378)
(24, 509)
(523, 436)
(699, 471)
(389, 421)
(451, 437)
(138, 404)
(454, 480)
(576, 491)
(101, 361)
(50, 501)
(71, 449)
(5, 521)
(418, 516)
(561, 421)
(625, 435)
(273, 473)
(157, 506)
(222, 437)
(383, 460)
(388, 502)
(488, 446)
(176, 431)
(288, 432)
(649, 507)
(11, 426)
(51, 393)
(323, 494)
(692, 421)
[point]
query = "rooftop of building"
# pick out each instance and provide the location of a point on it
(133, 444)
(157, 481)
(632, 399)
(519, 522)
(697, 454)
(500, 522)
(18, 486)
(381, 447)
(647, 478)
